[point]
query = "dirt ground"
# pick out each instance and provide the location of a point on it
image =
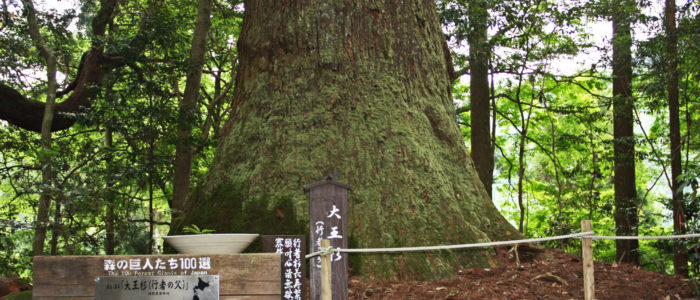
(541, 274)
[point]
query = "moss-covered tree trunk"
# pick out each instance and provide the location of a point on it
(358, 90)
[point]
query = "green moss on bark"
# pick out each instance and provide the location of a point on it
(360, 93)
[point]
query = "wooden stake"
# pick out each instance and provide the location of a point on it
(326, 280)
(587, 245)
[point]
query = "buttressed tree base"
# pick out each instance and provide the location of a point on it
(358, 90)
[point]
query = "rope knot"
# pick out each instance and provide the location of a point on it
(325, 251)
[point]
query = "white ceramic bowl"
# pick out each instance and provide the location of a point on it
(218, 243)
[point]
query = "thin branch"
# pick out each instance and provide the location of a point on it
(82, 164)
(23, 167)
(510, 163)
(544, 149)
(463, 109)
(653, 149)
(149, 221)
(651, 187)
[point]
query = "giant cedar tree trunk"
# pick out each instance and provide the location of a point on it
(626, 219)
(358, 90)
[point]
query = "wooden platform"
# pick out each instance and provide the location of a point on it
(241, 276)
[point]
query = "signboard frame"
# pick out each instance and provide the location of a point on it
(245, 276)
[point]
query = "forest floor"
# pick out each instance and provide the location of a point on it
(536, 273)
(540, 274)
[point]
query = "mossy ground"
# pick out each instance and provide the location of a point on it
(24, 295)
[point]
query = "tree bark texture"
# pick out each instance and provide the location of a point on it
(680, 257)
(188, 106)
(481, 151)
(358, 90)
(626, 219)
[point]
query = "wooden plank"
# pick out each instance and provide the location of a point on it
(78, 290)
(249, 288)
(69, 277)
(34, 297)
(256, 297)
(587, 253)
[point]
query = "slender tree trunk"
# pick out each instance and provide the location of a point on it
(595, 175)
(358, 89)
(626, 219)
(524, 125)
(481, 150)
(188, 108)
(67, 229)
(553, 130)
(42, 218)
(110, 201)
(56, 228)
(521, 175)
(151, 212)
(680, 257)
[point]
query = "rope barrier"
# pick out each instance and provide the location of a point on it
(324, 251)
(330, 250)
(658, 237)
(587, 249)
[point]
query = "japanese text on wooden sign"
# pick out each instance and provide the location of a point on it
(157, 266)
(199, 287)
(291, 264)
(328, 208)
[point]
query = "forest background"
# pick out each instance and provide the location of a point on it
(536, 90)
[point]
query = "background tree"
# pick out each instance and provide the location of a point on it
(626, 219)
(680, 260)
(480, 100)
(188, 105)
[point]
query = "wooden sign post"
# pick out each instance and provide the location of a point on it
(328, 206)
(293, 250)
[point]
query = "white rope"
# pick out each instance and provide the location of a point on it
(446, 247)
(658, 237)
(330, 250)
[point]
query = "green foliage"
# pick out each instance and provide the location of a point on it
(564, 122)
(115, 165)
(196, 230)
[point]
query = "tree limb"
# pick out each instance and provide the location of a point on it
(27, 113)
